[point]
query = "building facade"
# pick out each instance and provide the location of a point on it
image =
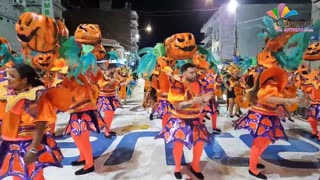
(219, 34)
(12, 9)
(248, 24)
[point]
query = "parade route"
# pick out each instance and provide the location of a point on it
(134, 154)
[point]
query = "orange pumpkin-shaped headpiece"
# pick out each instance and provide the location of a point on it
(181, 46)
(164, 61)
(312, 53)
(63, 30)
(38, 32)
(200, 61)
(44, 61)
(88, 34)
(99, 52)
(265, 59)
(279, 75)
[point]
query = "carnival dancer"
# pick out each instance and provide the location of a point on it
(230, 84)
(26, 109)
(262, 119)
(150, 97)
(56, 78)
(311, 87)
(290, 91)
(184, 126)
(124, 81)
(107, 102)
(163, 108)
(84, 118)
(207, 79)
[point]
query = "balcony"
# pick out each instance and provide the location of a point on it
(206, 39)
(134, 15)
(134, 22)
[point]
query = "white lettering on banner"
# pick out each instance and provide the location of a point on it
(225, 149)
(47, 8)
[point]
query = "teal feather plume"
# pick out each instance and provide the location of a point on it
(245, 64)
(8, 56)
(113, 55)
(210, 58)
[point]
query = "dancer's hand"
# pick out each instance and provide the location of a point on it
(207, 97)
(197, 100)
(301, 101)
(30, 158)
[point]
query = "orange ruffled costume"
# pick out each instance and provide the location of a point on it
(262, 119)
(184, 126)
(18, 114)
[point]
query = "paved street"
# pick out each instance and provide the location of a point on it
(134, 153)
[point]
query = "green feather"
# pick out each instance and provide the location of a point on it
(146, 50)
(87, 49)
(159, 50)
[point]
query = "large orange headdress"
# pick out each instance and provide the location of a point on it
(277, 74)
(200, 61)
(38, 32)
(181, 46)
(312, 53)
(88, 34)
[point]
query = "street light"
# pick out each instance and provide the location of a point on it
(148, 28)
(232, 8)
(137, 36)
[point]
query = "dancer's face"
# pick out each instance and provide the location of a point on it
(15, 81)
(190, 74)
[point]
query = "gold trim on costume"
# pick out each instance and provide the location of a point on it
(12, 100)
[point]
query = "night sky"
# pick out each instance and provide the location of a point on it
(165, 24)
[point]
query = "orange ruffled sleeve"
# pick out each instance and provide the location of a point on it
(164, 82)
(55, 98)
(2, 109)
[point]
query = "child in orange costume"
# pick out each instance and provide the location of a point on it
(311, 87)
(84, 118)
(107, 102)
(262, 119)
(184, 126)
(26, 108)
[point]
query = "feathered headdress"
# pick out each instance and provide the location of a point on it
(78, 64)
(148, 61)
(7, 56)
(210, 58)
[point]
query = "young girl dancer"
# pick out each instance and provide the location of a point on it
(262, 119)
